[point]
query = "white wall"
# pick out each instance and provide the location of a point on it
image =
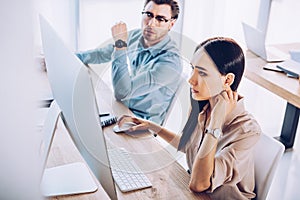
(98, 16)
(201, 19)
(62, 16)
(284, 22)
(18, 90)
(205, 19)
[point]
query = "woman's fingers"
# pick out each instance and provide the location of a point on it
(224, 95)
(227, 100)
(136, 120)
(229, 95)
(124, 118)
(139, 127)
(235, 96)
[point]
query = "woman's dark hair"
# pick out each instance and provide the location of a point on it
(173, 3)
(229, 58)
(227, 55)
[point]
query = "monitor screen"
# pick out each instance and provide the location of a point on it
(73, 91)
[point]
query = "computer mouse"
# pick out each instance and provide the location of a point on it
(124, 127)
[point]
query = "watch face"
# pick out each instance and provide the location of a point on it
(217, 133)
(120, 44)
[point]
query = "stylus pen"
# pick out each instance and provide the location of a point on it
(288, 72)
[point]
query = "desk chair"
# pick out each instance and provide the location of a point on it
(267, 154)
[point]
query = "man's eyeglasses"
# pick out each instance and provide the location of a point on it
(159, 18)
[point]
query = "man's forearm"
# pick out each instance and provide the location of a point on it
(120, 75)
(96, 56)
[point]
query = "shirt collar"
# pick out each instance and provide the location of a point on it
(155, 49)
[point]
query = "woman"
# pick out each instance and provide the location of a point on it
(219, 135)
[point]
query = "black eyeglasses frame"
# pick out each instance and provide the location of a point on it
(158, 18)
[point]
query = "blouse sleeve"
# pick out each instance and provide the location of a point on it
(232, 162)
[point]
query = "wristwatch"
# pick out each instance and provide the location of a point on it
(120, 43)
(214, 132)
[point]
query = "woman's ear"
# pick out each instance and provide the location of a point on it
(229, 79)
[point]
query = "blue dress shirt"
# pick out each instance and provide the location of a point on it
(148, 86)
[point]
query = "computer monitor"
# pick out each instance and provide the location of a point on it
(255, 37)
(255, 41)
(73, 91)
(263, 15)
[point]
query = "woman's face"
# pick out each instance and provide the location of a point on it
(205, 81)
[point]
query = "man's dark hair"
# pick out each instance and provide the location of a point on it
(173, 3)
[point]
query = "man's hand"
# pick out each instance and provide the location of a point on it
(119, 31)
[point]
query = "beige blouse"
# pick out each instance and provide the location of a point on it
(233, 176)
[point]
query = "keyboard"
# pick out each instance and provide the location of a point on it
(108, 120)
(127, 175)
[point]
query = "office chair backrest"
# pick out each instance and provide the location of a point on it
(267, 154)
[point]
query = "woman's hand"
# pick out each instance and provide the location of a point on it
(221, 105)
(141, 124)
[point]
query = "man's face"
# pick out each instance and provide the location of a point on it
(156, 22)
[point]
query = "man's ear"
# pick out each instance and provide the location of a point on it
(229, 79)
(172, 23)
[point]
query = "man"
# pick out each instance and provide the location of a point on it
(155, 65)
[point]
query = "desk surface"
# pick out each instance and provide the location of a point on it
(169, 178)
(278, 83)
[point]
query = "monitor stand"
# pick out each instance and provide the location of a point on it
(73, 178)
